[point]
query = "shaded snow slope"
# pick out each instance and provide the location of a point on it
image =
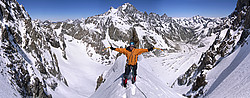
(7, 90)
(146, 86)
(231, 78)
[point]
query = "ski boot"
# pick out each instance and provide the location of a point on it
(125, 82)
(133, 79)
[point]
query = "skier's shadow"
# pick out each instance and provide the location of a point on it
(120, 77)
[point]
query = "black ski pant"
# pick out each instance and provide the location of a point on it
(128, 69)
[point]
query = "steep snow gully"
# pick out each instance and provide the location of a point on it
(146, 86)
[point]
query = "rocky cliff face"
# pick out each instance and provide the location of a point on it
(26, 56)
(230, 35)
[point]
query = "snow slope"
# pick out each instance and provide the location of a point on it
(230, 78)
(79, 70)
(7, 90)
(146, 86)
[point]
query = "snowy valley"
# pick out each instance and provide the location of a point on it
(202, 57)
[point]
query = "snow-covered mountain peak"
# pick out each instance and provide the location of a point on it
(199, 22)
(111, 8)
(37, 20)
(127, 6)
(197, 17)
(164, 15)
(121, 11)
(111, 12)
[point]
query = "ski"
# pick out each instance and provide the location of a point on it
(133, 88)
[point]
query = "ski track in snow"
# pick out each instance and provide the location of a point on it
(141, 91)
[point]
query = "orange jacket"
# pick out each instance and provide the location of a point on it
(131, 56)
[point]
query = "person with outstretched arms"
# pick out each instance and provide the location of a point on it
(132, 54)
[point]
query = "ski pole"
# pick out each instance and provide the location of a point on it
(158, 49)
(105, 49)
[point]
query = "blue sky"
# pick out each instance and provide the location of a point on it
(57, 10)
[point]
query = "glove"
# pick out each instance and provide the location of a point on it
(150, 49)
(112, 48)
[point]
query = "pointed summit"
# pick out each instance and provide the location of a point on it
(111, 8)
(197, 17)
(127, 7)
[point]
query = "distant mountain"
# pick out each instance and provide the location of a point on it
(126, 24)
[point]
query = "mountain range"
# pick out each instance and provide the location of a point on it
(64, 59)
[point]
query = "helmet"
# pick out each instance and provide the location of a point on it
(132, 44)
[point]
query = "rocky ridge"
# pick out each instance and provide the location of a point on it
(231, 34)
(26, 56)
